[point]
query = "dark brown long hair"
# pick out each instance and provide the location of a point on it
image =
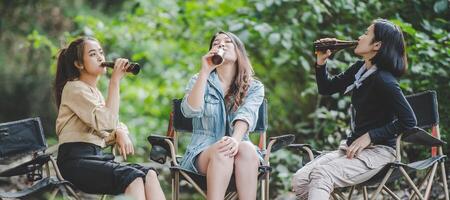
(239, 87)
(65, 67)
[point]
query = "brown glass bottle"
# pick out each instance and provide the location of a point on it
(134, 67)
(333, 45)
(217, 58)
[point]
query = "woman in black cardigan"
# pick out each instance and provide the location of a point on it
(382, 112)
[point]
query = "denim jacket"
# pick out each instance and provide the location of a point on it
(209, 121)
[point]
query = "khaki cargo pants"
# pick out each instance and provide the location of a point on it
(317, 179)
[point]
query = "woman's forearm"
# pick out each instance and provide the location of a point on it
(113, 100)
(196, 95)
(240, 129)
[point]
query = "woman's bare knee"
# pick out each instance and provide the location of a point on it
(246, 153)
(217, 156)
(220, 157)
(212, 155)
(151, 176)
(299, 184)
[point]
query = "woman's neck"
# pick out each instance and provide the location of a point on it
(226, 74)
(367, 59)
(89, 79)
(368, 64)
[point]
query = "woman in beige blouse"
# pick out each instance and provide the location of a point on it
(86, 123)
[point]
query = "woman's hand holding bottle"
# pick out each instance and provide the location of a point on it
(207, 64)
(120, 68)
(323, 56)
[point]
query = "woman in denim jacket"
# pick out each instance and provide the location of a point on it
(223, 101)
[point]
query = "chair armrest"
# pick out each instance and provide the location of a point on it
(52, 149)
(276, 143)
(162, 147)
(24, 165)
(419, 136)
(305, 148)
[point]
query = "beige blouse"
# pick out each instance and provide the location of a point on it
(83, 117)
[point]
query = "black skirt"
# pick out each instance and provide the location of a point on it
(92, 171)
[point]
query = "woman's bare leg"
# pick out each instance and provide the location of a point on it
(218, 169)
(246, 165)
(153, 190)
(135, 189)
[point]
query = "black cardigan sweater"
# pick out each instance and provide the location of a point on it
(380, 107)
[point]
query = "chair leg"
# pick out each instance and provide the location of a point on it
(386, 177)
(426, 177)
(393, 195)
(228, 196)
(263, 190)
(339, 193)
(231, 196)
(59, 176)
(334, 196)
(64, 194)
(444, 180)
(47, 169)
(350, 192)
(192, 182)
(175, 185)
(54, 193)
(430, 182)
(410, 182)
(63, 190)
(71, 191)
(366, 196)
(235, 196)
(266, 188)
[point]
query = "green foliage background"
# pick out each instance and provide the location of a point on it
(169, 37)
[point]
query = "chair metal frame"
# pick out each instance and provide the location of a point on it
(170, 145)
(396, 169)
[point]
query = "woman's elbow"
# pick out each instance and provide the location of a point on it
(324, 91)
(414, 121)
(411, 122)
(321, 92)
(190, 112)
(103, 120)
(104, 125)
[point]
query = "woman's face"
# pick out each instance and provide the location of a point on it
(93, 57)
(223, 40)
(365, 45)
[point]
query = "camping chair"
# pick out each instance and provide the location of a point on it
(166, 147)
(425, 108)
(22, 152)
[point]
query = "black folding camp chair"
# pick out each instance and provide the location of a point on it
(166, 147)
(22, 152)
(425, 108)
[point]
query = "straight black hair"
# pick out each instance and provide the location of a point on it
(392, 54)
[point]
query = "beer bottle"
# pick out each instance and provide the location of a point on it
(333, 45)
(134, 68)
